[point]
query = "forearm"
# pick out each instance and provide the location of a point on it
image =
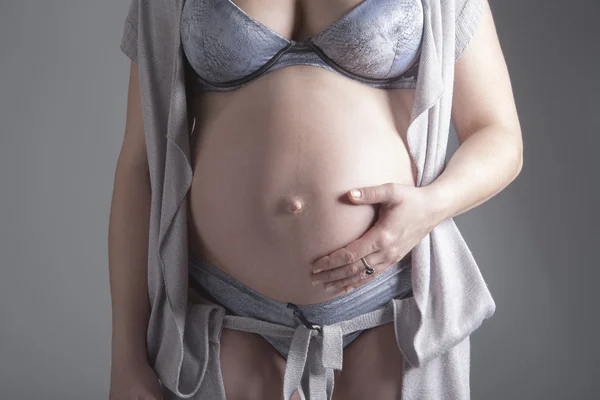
(128, 248)
(483, 165)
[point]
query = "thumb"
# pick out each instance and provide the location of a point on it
(389, 193)
(369, 194)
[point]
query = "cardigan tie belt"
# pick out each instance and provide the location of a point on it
(314, 351)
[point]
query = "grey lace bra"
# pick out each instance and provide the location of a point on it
(377, 43)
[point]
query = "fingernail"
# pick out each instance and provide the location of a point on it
(330, 288)
(316, 282)
(316, 271)
(355, 193)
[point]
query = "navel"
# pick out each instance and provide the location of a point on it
(296, 205)
(292, 204)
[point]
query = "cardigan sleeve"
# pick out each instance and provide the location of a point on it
(130, 32)
(468, 15)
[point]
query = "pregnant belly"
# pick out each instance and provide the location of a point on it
(269, 193)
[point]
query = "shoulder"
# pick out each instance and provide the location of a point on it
(155, 20)
(465, 11)
(467, 15)
(154, 9)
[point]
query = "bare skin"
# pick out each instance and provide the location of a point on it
(271, 176)
(272, 163)
(131, 375)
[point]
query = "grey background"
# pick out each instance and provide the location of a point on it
(63, 90)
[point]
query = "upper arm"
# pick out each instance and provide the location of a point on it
(482, 93)
(133, 151)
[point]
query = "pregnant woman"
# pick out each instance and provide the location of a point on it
(290, 276)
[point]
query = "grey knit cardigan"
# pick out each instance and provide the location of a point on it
(451, 298)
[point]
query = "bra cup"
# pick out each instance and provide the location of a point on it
(221, 44)
(409, 34)
(378, 40)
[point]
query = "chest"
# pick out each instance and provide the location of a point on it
(298, 20)
(305, 20)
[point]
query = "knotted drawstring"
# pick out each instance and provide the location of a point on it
(325, 354)
(316, 359)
